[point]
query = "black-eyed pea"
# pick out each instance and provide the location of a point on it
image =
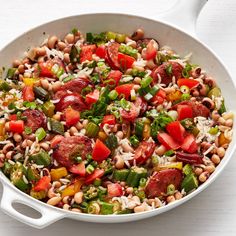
(21, 69)
(119, 162)
(40, 51)
(66, 207)
(129, 190)
(67, 58)
(51, 193)
(221, 121)
(178, 195)
(52, 41)
(54, 201)
(70, 38)
(203, 176)
(61, 45)
(17, 137)
(9, 154)
(215, 159)
(170, 199)
(8, 147)
(78, 197)
(76, 210)
(44, 83)
(160, 150)
(120, 134)
(73, 130)
(138, 34)
(221, 152)
(198, 171)
(140, 208)
(210, 169)
(16, 63)
(229, 122)
(57, 116)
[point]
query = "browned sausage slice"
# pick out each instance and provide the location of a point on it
(112, 53)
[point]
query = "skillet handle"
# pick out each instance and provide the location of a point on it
(184, 14)
(48, 215)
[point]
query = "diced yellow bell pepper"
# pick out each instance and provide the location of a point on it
(30, 81)
(58, 173)
(222, 140)
(102, 135)
(2, 129)
(146, 131)
(174, 96)
(171, 165)
(72, 189)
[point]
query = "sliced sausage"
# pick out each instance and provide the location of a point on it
(189, 158)
(71, 99)
(69, 148)
(142, 104)
(159, 181)
(130, 115)
(167, 74)
(35, 119)
(112, 55)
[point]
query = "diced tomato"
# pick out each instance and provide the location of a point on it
(144, 151)
(113, 78)
(159, 97)
(101, 51)
(13, 117)
(114, 190)
(124, 89)
(98, 173)
(184, 111)
(176, 131)
(108, 119)
(87, 52)
(92, 97)
(43, 184)
(189, 144)
(131, 114)
(72, 116)
(45, 69)
(187, 82)
(151, 51)
(167, 141)
(57, 139)
(78, 169)
(28, 94)
(16, 126)
(100, 151)
(125, 61)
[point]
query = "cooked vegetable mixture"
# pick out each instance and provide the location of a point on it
(109, 123)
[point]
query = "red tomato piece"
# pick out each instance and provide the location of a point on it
(13, 117)
(184, 111)
(151, 50)
(78, 169)
(189, 158)
(87, 52)
(159, 181)
(101, 51)
(112, 55)
(124, 89)
(144, 151)
(92, 97)
(167, 141)
(28, 94)
(187, 82)
(45, 69)
(72, 116)
(16, 126)
(56, 140)
(98, 173)
(113, 78)
(108, 119)
(43, 184)
(130, 115)
(114, 190)
(159, 97)
(100, 151)
(176, 131)
(189, 144)
(125, 61)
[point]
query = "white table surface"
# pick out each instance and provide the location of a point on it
(212, 212)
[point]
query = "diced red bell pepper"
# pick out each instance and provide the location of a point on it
(28, 93)
(57, 139)
(92, 97)
(166, 140)
(87, 52)
(114, 190)
(100, 151)
(13, 117)
(159, 97)
(125, 61)
(101, 51)
(190, 83)
(108, 119)
(78, 169)
(184, 111)
(45, 69)
(189, 144)
(98, 173)
(43, 184)
(16, 126)
(124, 89)
(113, 78)
(176, 131)
(151, 50)
(72, 116)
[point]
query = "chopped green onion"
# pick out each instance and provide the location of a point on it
(155, 160)
(68, 78)
(31, 105)
(97, 182)
(186, 70)
(134, 141)
(169, 69)
(213, 130)
(185, 89)
(222, 108)
(40, 133)
(4, 86)
(146, 81)
(139, 126)
(128, 50)
(142, 182)
(113, 95)
(169, 153)
(111, 142)
(148, 96)
(187, 169)
(28, 130)
(78, 159)
(185, 97)
(125, 104)
(11, 73)
(120, 38)
(170, 189)
(92, 130)
(143, 91)
(89, 169)
(111, 35)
